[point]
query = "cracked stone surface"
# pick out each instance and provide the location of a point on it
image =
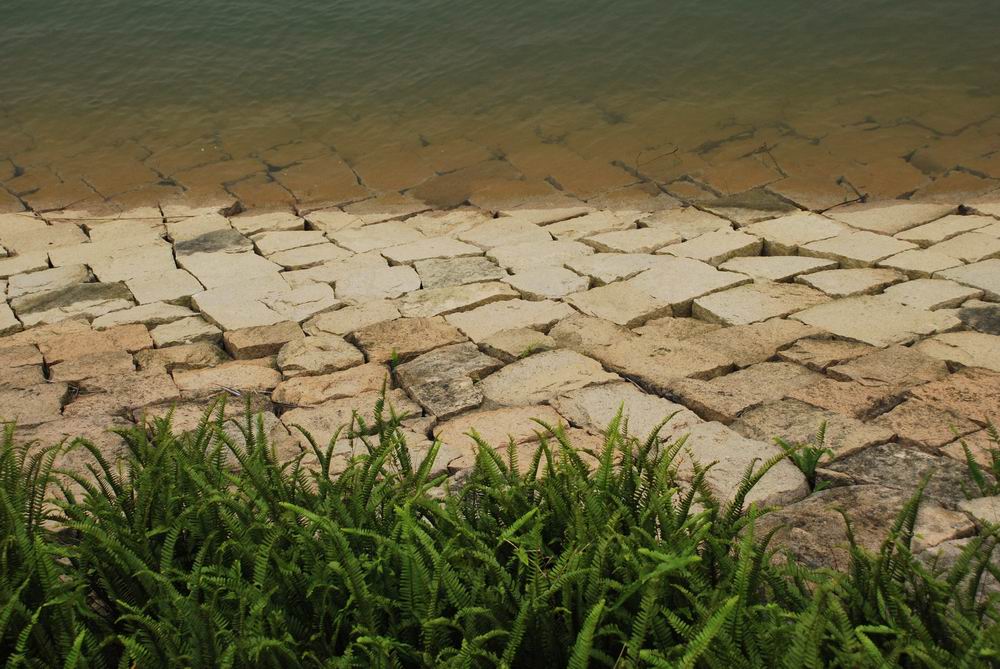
(745, 318)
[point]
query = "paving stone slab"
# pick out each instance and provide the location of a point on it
(746, 345)
(755, 302)
(517, 343)
(342, 384)
(589, 335)
(819, 354)
(924, 426)
(876, 320)
(442, 381)
(732, 453)
(434, 248)
(23, 263)
(240, 376)
(656, 364)
(496, 427)
(307, 257)
(483, 322)
(252, 224)
(716, 248)
(595, 407)
(351, 318)
(799, 423)
(972, 247)
(216, 241)
(589, 225)
(964, 349)
(302, 303)
(547, 283)
(183, 356)
(896, 366)
(85, 300)
(518, 257)
(943, 229)
(777, 268)
(932, 294)
(980, 446)
(680, 281)
(605, 268)
(217, 270)
(889, 218)
(984, 275)
(324, 420)
(784, 235)
(46, 280)
(331, 272)
(687, 222)
(405, 338)
(440, 301)
(856, 249)
(173, 286)
(850, 282)
(131, 263)
(984, 510)
(317, 355)
(674, 327)
(185, 331)
(540, 378)
(504, 231)
(971, 393)
(919, 263)
(260, 342)
(89, 366)
(457, 272)
(983, 318)
(33, 405)
(620, 303)
(236, 306)
(268, 243)
(642, 240)
(151, 315)
(724, 398)
(375, 237)
(850, 398)
(378, 283)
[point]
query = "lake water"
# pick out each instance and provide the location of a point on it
(138, 101)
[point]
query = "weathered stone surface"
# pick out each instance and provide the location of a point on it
(732, 453)
(518, 257)
(331, 272)
(620, 303)
(378, 283)
(595, 407)
(541, 377)
(299, 304)
(184, 356)
(983, 318)
(323, 420)
(980, 445)
(716, 248)
(8, 321)
(783, 236)
(777, 268)
(23, 263)
(440, 301)
(670, 327)
(605, 268)
(964, 349)
(546, 283)
(33, 405)
(848, 282)
(943, 229)
(173, 286)
(924, 426)
(441, 381)
(876, 320)
(268, 243)
(185, 229)
(819, 354)
(349, 319)
(849, 398)
(236, 306)
(856, 249)
(504, 231)
(755, 302)
(434, 248)
(919, 263)
(972, 247)
(984, 510)
(68, 346)
(642, 240)
(153, 314)
(814, 531)
(657, 363)
(405, 338)
(483, 322)
(216, 270)
(216, 241)
(305, 257)
(588, 335)
(889, 218)
(186, 331)
(122, 264)
(457, 272)
(376, 237)
(932, 294)
(497, 427)
(798, 423)
(589, 224)
(984, 275)
(262, 341)
(900, 467)
(971, 393)
(517, 343)
(724, 398)
(688, 222)
(346, 383)
(252, 224)
(311, 356)
(89, 366)
(239, 376)
(896, 366)
(87, 300)
(680, 281)
(56, 278)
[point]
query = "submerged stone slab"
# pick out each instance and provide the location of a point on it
(457, 272)
(932, 294)
(876, 320)
(620, 303)
(777, 268)
(541, 377)
(483, 322)
(755, 302)
(595, 407)
(849, 282)
(799, 423)
(856, 249)
(964, 349)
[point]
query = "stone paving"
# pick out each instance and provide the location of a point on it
(883, 320)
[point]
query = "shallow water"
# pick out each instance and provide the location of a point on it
(845, 91)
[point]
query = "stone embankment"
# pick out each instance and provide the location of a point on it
(882, 320)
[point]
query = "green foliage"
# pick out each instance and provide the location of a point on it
(986, 478)
(205, 551)
(807, 456)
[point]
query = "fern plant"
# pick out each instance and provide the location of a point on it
(807, 456)
(985, 478)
